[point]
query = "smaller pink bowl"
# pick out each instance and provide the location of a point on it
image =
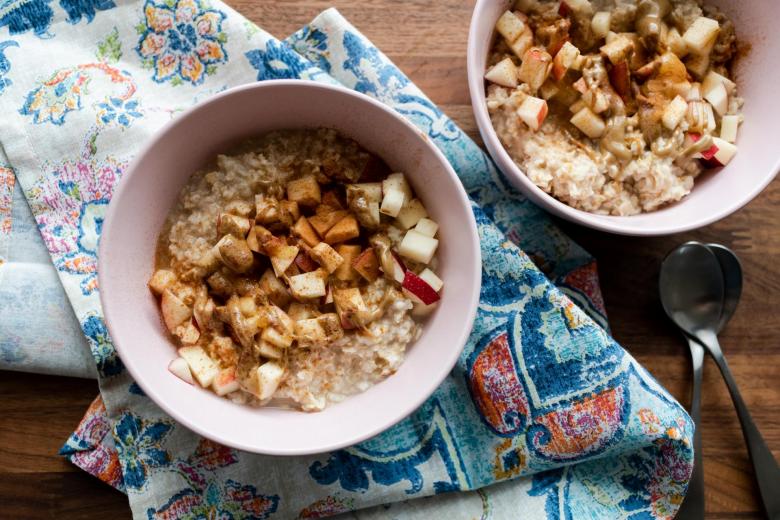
(150, 188)
(716, 194)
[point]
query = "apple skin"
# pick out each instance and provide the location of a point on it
(420, 288)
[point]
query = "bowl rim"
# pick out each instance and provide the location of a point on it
(609, 223)
(427, 386)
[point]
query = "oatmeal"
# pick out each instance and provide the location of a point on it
(614, 106)
(295, 272)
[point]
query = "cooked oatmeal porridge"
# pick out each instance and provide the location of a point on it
(614, 106)
(295, 272)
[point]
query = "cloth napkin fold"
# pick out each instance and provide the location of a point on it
(541, 391)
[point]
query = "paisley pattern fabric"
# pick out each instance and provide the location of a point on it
(542, 398)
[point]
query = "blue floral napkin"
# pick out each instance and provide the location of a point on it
(541, 394)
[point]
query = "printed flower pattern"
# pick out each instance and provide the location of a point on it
(61, 94)
(70, 203)
(108, 361)
(117, 110)
(209, 497)
(5, 64)
(21, 16)
(86, 449)
(182, 41)
(139, 444)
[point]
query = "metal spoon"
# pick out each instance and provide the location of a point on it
(693, 504)
(674, 267)
(693, 294)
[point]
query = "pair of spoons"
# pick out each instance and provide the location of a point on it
(700, 286)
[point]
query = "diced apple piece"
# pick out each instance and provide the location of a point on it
(349, 306)
(701, 34)
(712, 79)
(282, 257)
(306, 232)
(427, 227)
(265, 380)
(274, 288)
(418, 247)
(305, 191)
(676, 43)
(411, 213)
(331, 324)
(392, 203)
(711, 124)
(718, 98)
(589, 123)
(532, 112)
(694, 93)
(600, 24)
(564, 60)
(174, 311)
(580, 86)
(431, 279)
(510, 26)
(728, 128)
(276, 338)
(228, 224)
(674, 113)
(726, 151)
(289, 212)
(188, 333)
(266, 209)
(307, 285)
(618, 49)
(535, 68)
(302, 311)
(225, 382)
(370, 191)
(201, 365)
(345, 272)
(326, 256)
(325, 218)
(181, 369)
(698, 65)
(577, 6)
(161, 280)
(309, 333)
(367, 265)
(503, 73)
(235, 253)
(239, 207)
(269, 351)
(521, 45)
(420, 288)
(397, 181)
(345, 229)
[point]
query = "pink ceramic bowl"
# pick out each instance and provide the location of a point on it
(716, 194)
(148, 191)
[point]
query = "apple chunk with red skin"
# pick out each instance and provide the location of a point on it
(532, 111)
(420, 288)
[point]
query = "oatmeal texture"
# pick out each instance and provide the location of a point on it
(314, 376)
(635, 164)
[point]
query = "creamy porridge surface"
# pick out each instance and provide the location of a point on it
(295, 271)
(614, 106)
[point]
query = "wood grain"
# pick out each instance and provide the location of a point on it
(428, 41)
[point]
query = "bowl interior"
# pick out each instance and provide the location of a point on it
(717, 193)
(150, 189)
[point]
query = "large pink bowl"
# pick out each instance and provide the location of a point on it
(715, 195)
(148, 191)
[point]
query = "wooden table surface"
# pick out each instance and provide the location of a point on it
(428, 41)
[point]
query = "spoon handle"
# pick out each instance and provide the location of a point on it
(692, 507)
(764, 464)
